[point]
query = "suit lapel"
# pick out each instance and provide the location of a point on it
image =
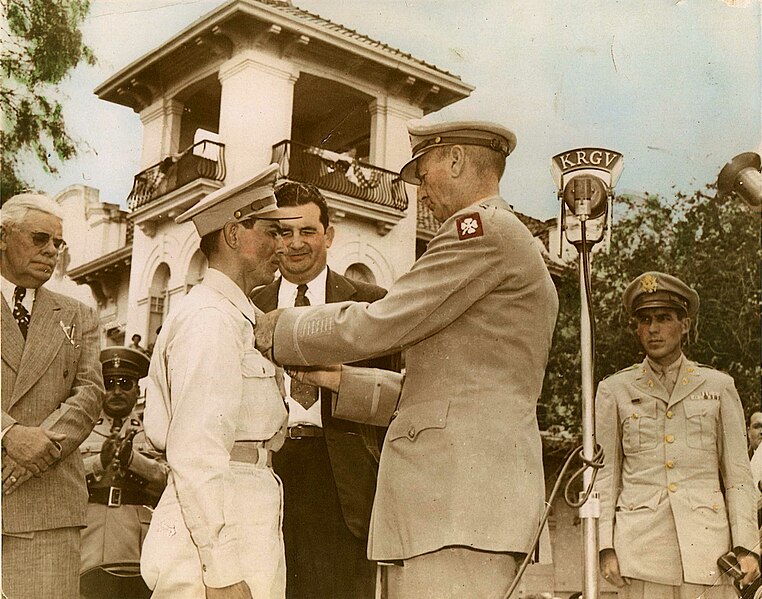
(647, 382)
(12, 339)
(688, 380)
(43, 341)
(338, 288)
(266, 298)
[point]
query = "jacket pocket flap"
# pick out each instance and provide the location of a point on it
(639, 499)
(412, 420)
(700, 407)
(707, 499)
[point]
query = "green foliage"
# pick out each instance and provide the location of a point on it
(42, 42)
(711, 244)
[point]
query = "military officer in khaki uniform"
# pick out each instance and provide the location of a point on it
(460, 485)
(124, 478)
(676, 489)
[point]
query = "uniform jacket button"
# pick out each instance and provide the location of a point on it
(669, 439)
(411, 432)
(672, 487)
(670, 414)
(670, 464)
(395, 414)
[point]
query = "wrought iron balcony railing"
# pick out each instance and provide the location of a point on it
(340, 173)
(203, 160)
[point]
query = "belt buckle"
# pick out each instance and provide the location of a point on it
(114, 497)
(294, 431)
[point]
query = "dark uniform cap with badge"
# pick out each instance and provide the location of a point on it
(124, 361)
(426, 136)
(251, 198)
(660, 290)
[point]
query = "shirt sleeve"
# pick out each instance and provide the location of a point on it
(204, 376)
(447, 280)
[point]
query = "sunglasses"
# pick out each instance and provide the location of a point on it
(110, 382)
(41, 240)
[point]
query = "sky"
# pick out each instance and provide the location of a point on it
(673, 85)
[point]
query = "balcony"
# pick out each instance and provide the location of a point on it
(203, 160)
(341, 174)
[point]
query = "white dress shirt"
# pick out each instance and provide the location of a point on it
(8, 290)
(286, 297)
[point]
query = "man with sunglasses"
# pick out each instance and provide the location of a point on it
(215, 408)
(124, 478)
(52, 390)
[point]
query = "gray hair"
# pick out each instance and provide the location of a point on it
(15, 209)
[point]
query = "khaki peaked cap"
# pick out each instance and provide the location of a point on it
(426, 136)
(659, 290)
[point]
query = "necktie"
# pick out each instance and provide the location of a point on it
(667, 380)
(306, 395)
(20, 313)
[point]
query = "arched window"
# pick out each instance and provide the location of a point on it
(196, 270)
(360, 272)
(158, 301)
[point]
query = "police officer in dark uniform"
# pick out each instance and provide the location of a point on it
(124, 478)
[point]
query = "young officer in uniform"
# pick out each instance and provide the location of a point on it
(460, 486)
(676, 490)
(124, 478)
(214, 406)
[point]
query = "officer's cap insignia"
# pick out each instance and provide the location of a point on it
(649, 283)
(116, 361)
(469, 226)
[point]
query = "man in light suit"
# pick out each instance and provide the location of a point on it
(328, 466)
(51, 397)
(676, 490)
(460, 485)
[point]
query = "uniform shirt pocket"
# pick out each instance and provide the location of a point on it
(413, 420)
(262, 408)
(701, 417)
(639, 426)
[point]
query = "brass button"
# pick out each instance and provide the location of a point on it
(411, 432)
(669, 439)
(715, 507)
(650, 383)
(670, 414)
(690, 369)
(672, 487)
(685, 381)
(395, 414)
(670, 464)
(635, 416)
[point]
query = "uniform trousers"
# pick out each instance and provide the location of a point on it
(324, 560)
(113, 534)
(453, 573)
(642, 589)
(42, 565)
(170, 563)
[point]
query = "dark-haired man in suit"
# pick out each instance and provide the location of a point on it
(328, 466)
(51, 394)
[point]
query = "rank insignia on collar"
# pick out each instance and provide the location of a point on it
(469, 226)
(649, 284)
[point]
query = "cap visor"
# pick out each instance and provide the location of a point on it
(407, 173)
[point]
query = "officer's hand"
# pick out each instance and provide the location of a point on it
(239, 590)
(609, 564)
(263, 332)
(14, 475)
(125, 453)
(324, 376)
(108, 452)
(32, 447)
(750, 567)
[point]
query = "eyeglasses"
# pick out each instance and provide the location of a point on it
(125, 384)
(41, 240)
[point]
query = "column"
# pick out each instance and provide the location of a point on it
(255, 110)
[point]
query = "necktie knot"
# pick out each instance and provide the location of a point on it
(301, 296)
(18, 295)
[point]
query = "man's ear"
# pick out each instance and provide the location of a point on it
(685, 325)
(329, 233)
(230, 234)
(457, 160)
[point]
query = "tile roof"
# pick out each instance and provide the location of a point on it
(288, 8)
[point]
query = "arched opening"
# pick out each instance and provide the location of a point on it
(158, 301)
(360, 272)
(196, 270)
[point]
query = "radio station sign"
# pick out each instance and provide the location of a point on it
(596, 159)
